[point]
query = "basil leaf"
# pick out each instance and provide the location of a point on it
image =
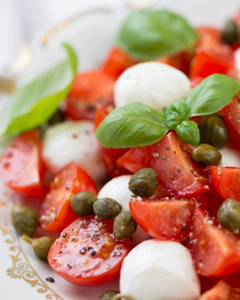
(38, 100)
(177, 113)
(188, 132)
(211, 95)
(131, 126)
(150, 34)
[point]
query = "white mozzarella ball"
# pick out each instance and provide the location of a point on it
(159, 270)
(152, 83)
(230, 157)
(73, 142)
(117, 188)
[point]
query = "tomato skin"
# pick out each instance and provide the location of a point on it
(22, 167)
(177, 173)
(56, 211)
(216, 252)
(89, 90)
(180, 61)
(86, 269)
(221, 291)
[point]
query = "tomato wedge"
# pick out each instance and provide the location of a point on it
(177, 173)
(22, 167)
(180, 61)
(221, 291)
(89, 90)
(87, 253)
(164, 219)
(227, 182)
(216, 252)
(56, 212)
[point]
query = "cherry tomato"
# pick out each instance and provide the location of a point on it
(22, 167)
(87, 252)
(164, 219)
(56, 211)
(216, 252)
(180, 61)
(177, 173)
(117, 62)
(89, 90)
(196, 81)
(221, 291)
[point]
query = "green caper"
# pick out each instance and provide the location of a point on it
(82, 203)
(57, 117)
(108, 295)
(124, 225)
(230, 32)
(143, 183)
(213, 131)
(41, 246)
(106, 208)
(229, 215)
(206, 155)
(24, 219)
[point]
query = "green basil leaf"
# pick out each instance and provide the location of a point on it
(177, 113)
(132, 125)
(150, 34)
(38, 100)
(210, 96)
(188, 132)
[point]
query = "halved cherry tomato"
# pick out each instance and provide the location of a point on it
(56, 211)
(22, 167)
(221, 291)
(89, 90)
(177, 173)
(216, 252)
(164, 219)
(232, 120)
(180, 61)
(87, 252)
(117, 62)
(227, 182)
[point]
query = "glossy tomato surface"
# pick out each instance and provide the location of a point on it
(56, 212)
(22, 167)
(87, 253)
(180, 61)
(221, 291)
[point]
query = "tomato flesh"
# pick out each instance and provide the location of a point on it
(221, 291)
(87, 253)
(56, 211)
(180, 61)
(22, 167)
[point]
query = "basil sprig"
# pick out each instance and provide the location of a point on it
(38, 100)
(137, 125)
(150, 34)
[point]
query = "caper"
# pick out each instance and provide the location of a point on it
(213, 131)
(206, 155)
(82, 203)
(57, 117)
(106, 208)
(24, 219)
(230, 32)
(108, 295)
(143, 183)
(229, 215)
(124, 225)
(41, 246)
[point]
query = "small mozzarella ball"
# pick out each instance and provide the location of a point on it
(117, 188)
(152, 83)
(230, 157)
(159, 270)
(73, 142)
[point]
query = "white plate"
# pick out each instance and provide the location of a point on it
(22, 275)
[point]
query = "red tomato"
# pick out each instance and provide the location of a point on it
(227, 182)
(216, 252)
(180, 61)
(196, 81)
(221, 291)
(56, 211)
(164, 219)
(89, 90)
(22, 167)
(214, 201)
(87, 253)
(176, 171)
(232, 120)
(117, 62)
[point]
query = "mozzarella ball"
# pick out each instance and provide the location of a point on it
(152, 83)
(230, 157)
(117, 188)
(73, 142)
(159, 270)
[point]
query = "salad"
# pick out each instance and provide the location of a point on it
(136, 163)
